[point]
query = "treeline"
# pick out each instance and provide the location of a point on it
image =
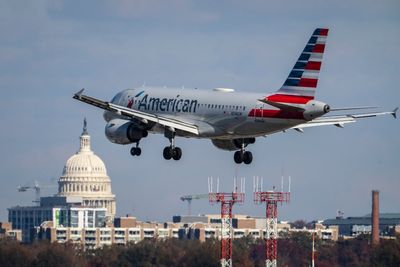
(294, 250)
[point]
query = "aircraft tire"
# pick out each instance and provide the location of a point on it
(167, 152)
(138, 151)
(238, 157)
(247, 157)
(177, 153)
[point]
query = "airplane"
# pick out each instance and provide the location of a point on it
(231, 120)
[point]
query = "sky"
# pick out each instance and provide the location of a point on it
(51, 49)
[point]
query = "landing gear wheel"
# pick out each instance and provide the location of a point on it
(167, 152)
(247, 157)
(177, 153)
(238, 157)
(136, 151)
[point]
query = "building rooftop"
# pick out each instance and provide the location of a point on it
(384, 218)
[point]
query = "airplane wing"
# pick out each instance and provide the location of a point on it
(341, 120)
(120, 110)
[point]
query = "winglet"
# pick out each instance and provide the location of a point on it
(394, 112)
(78, 94)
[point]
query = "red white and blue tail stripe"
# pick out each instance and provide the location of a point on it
(302, 81)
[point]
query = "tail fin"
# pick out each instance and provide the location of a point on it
(301, 83)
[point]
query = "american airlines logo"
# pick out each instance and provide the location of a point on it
(131, 101)
(167, 104)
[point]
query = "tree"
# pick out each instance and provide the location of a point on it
(49, 255)
(294, 250)
(13, 254)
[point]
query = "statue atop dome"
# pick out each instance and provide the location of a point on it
(85, 132)
(85, 138)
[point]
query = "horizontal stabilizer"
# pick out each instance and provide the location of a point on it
(369, 115)
(341, 120)
(282, 106)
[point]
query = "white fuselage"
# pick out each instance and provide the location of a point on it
(220, 114)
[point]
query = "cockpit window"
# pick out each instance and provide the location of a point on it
(116, 98)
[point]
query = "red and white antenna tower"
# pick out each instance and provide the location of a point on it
(271, 198)
(227, 201)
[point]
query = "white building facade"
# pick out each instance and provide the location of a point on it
(85, 175)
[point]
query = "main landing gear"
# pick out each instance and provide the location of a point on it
(242, 156)
(136, 150)
(245, 157)
(171, 151)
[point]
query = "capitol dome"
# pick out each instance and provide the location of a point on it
(85, 163)
(85, 175)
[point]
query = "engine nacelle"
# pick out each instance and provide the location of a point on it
(232, 144)
(315, 109)
(124, 132)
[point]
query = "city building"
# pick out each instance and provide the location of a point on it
(27, 219)
(6, 231)
(321, 231)
(354, 226)
(202, 227)
(125, 230)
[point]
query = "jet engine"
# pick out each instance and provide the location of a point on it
(124, 132)
(232, 144)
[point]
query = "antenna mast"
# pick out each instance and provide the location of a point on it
(271, 198)
(227, 200)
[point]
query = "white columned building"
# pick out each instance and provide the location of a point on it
(85, 175)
